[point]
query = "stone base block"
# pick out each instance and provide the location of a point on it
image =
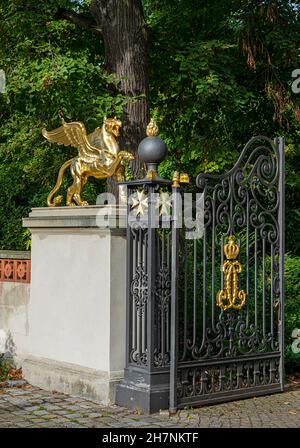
(148, 393)
(71, 379)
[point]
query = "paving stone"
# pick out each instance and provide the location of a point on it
(41, 412)
(37, 421)
(70, 425)
(33, 407)
(96, 414)
(25, 424)
(72, 416)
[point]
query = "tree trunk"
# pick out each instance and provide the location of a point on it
(124, 33)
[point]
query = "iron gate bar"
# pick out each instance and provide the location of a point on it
(174, 305)
(282, 251)
(209, 372)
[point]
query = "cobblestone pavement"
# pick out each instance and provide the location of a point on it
(32, 407)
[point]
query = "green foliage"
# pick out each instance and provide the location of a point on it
(292, 306)
(220, 74)
(53, 70)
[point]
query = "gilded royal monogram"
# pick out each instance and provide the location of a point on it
(230, 296)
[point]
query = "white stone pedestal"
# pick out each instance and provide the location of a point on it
(77, 301)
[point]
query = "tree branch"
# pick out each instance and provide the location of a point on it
(78, 19)
(65, 14)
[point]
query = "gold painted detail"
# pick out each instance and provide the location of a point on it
(184, 178)
(175, 180)
(230, 296)
(151, 175)
(98, 156)
(178, 179)
(152, 129)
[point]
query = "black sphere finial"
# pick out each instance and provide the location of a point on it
(152, 150)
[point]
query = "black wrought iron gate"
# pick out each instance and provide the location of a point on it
(227, 285)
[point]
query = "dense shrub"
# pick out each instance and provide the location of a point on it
(292, 307)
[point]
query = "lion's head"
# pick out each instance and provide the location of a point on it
(112, 126)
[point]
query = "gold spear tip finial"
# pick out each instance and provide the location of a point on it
(175, 180)
(152, 129)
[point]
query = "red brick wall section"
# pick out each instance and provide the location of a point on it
(14, 270)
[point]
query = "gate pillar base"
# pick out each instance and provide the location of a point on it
(141, 390)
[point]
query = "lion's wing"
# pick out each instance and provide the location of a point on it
(74, 134)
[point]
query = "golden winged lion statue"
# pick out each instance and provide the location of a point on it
(99, 156)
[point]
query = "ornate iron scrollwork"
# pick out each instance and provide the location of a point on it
(230, 296)
(139, 289)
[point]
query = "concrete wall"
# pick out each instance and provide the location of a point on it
(66, 329)
(77, 297)
(14, 307)
(77, 300)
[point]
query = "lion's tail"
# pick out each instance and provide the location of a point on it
(58, 199)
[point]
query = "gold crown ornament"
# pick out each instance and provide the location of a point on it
(184, 178)
(231, 249)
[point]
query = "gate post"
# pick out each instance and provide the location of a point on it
(147, 372)
(174, 302)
